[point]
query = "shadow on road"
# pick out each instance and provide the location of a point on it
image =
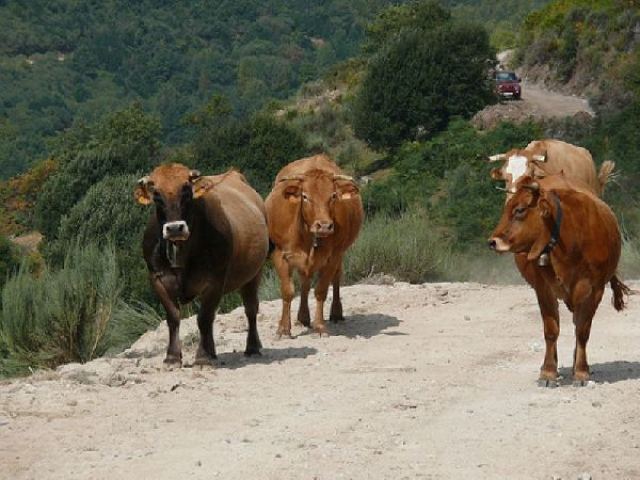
(608, 372)
(365, 326)
(233, 360)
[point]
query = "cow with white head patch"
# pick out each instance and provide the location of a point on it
(548, 157)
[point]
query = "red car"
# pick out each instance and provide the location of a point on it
(508, 85)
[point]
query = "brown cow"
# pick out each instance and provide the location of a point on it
(314, 214)
(547, 157)
(208, 236)
(581, 235)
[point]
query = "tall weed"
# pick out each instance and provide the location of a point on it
(73, 314)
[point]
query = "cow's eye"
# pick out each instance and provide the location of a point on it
(157, 198)
(334, 195)
(305, 197)
(519, 212)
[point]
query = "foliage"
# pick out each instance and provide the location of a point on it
(107, 215)
(589, 44)
(9, 259)
(64, 62)
(258, 146)
(73, 314)
(448, 176)
(409, 248)
(125, 142)
(18, 197)
(421, 79)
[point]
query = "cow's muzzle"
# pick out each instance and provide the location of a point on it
(322, 229)
(497, 244)
(175, 231)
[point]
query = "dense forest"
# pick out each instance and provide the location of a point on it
(97, 93)
(65, 63)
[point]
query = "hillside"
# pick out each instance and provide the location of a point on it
(586, 47)
(65, 63)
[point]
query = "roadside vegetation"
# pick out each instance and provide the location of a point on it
(395, 114)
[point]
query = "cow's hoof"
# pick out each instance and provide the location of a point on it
(321, 331)
(249, 352)
(336, 318)
(284, 334)
(204, 361)
(548, 382)
(172, 361)
(304, 320)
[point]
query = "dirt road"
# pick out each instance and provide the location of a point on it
(552, 104)
(432, 381)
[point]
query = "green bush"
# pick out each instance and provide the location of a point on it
(73, 314)
(410, 248)
(125, 142)
(9, 259)
(108, 215)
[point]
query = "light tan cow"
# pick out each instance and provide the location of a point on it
(314, 213)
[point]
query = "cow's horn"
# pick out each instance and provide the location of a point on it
(143, 181)
(540, 158)
(533, 186)
(291, 177)
(498, 157)
(193, 174)
(343, 177)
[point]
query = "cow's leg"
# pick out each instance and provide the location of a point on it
(170, 304)
(322, 287)
(549, 309)
(304, 318)
(287, 291)
(250, 300)
(209, 303)
(582, 318)
(336, 303)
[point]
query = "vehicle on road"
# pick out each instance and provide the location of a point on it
(508, 85)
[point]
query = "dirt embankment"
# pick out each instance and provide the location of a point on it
(433, 381)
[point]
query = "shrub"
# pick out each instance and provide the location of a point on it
(73, 314)
(410, 248)
(9, 259)
(125, 142)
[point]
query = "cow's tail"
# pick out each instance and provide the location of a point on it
(620, 290)
(606, 173)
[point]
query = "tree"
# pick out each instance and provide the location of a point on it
(420, 80)
(258, 146)
(108, 216)
(125, 142)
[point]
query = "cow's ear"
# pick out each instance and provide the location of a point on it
(347, 190)
(497, 174)
(292, 192)
(141, 195)
(201, 185)
(544, 207)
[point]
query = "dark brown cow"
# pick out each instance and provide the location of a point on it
(208, 236)
(314, 214)
(580, 234)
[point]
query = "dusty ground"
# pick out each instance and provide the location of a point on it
(537, 104)
(433, 381)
